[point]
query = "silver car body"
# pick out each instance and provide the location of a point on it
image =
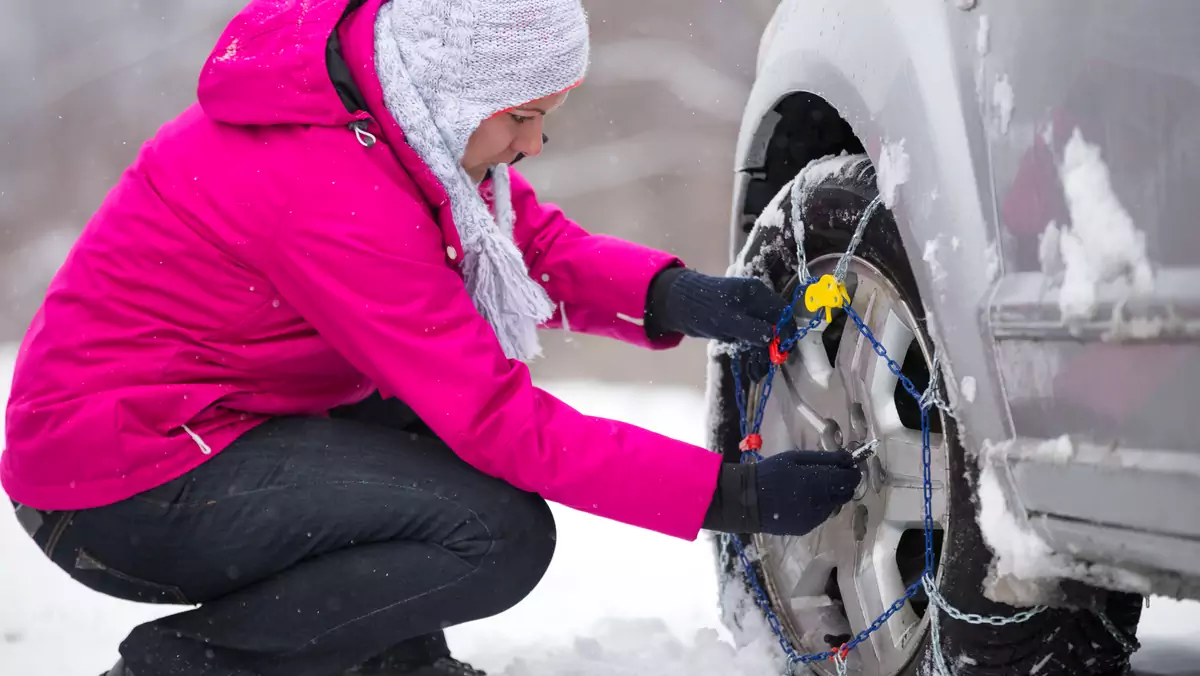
(1046, 160)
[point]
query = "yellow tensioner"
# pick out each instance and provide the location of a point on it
(827, 292)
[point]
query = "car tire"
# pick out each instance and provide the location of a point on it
(1056, 641)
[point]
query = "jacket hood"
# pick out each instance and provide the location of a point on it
(270, 66)
(309, 62)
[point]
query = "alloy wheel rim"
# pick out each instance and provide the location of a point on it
(835, 392)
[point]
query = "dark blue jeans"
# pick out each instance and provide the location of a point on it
(311, 546)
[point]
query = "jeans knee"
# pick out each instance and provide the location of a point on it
(524, 541)
(538, 537)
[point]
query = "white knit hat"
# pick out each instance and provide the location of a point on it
(445, 67)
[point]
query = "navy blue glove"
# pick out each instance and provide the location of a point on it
(727, 309)
(786, 494)
(799, 490)
(755, 364)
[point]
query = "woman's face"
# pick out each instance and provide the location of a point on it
(500, 138)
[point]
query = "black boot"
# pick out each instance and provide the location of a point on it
(118, 669)
(427, 655)
(442, 666)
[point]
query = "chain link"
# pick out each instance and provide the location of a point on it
(971, 618)
(930, 396)
(798, 228)
(764, 604)
(1130, 645)
(839, 662)
(843, 264)
(935, 642)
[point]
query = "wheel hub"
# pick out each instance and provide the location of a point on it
(831, 436)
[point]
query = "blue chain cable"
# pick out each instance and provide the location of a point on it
(751, 428)
(752, 443)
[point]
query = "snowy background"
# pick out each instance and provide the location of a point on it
(644, 151)
(616, 601)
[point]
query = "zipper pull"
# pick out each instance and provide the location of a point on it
(365, 138)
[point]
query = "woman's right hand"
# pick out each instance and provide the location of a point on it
(799, 490)
(790, 493)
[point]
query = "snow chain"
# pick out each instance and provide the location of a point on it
(752, 443)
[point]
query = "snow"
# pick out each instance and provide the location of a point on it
(983, 37)
(1021, 555)
(1042, 663)
(992, 258)
(1050, 251)
(893, 171)
(772, 217)
(641, 647)
(822, 170)
(937, 271)
(1002, 97)
(1059, 450)
(231, 52)
(1048, 134)
(1024, 567)
(792, 196)
(641, 604)
(1102, 244)
(670, 66)
(1168, 633)
(968, 389)
(1124, 327)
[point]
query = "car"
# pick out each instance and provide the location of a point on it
(1025, 174)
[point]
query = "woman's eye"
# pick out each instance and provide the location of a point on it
(521, 119)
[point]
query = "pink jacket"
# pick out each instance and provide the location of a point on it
(258, 260)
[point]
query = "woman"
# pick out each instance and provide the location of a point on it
(281, 375)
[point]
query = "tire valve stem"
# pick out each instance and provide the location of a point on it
(837, 640)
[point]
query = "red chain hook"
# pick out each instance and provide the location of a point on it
(752, 442)
(778, 357)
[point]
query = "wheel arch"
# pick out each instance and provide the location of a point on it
(868, 77)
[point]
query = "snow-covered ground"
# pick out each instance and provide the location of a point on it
(616, 601)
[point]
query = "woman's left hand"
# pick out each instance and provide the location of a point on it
(726, 309)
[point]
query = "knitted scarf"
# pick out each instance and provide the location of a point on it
(424, 52)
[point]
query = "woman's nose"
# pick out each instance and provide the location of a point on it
(521, 156)
(529, 144)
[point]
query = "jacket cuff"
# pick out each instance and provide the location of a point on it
(734, 507)
(656, 302)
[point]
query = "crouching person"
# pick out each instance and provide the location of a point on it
(281, 376)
